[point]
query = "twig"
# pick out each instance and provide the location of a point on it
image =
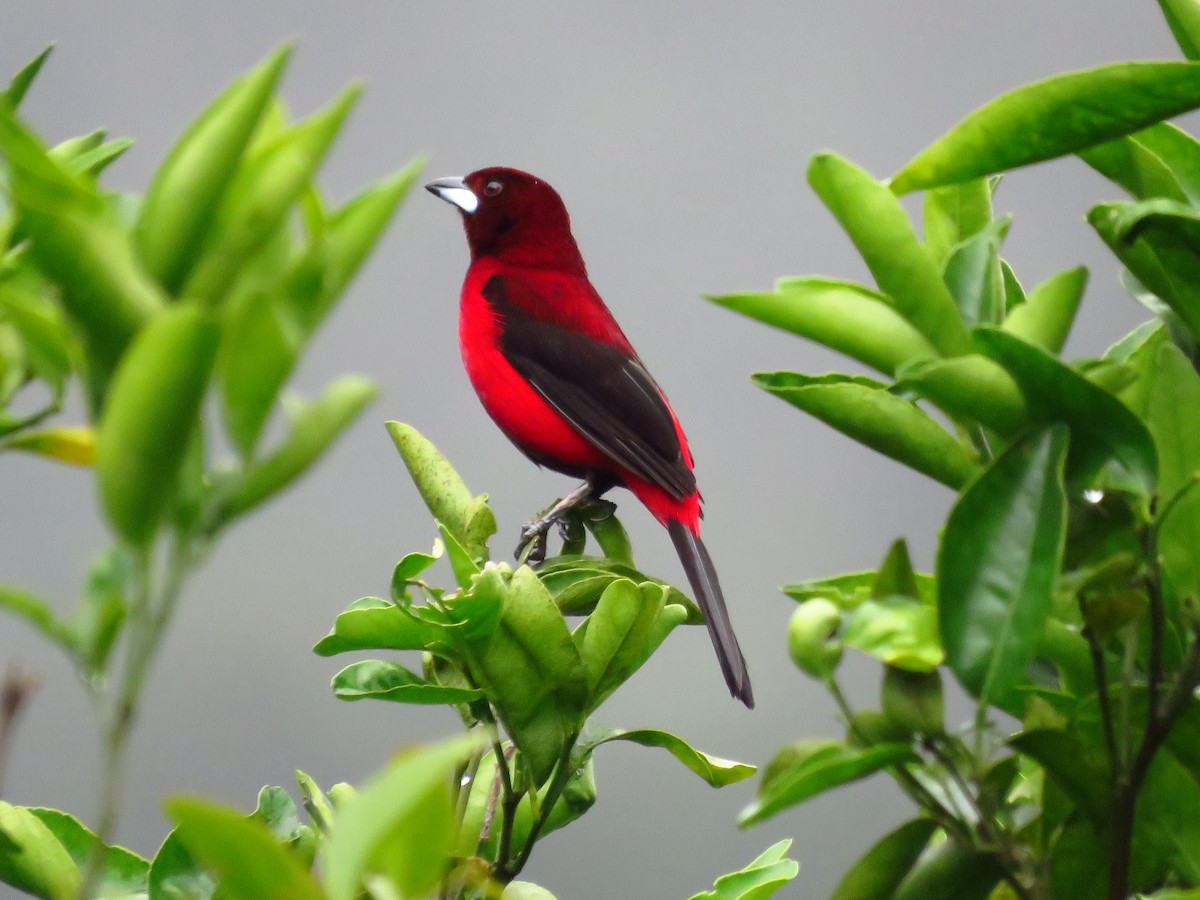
(1105, 704)
(1159, 722)
(18, 685)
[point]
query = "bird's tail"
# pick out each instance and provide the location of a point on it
(703, 579)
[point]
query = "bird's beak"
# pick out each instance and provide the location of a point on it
(455, 191)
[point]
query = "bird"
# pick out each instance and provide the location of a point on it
(559, 377)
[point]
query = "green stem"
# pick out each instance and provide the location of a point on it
(562, 775)
(150, 614)
(907, 781)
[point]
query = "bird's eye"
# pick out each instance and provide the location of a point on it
(492, 188)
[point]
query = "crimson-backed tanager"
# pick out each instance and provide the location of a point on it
(557, 374)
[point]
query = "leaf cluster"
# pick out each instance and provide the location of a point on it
(1063, 600)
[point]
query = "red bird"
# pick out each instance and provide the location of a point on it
(557, 374)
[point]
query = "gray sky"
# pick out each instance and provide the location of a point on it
(678, 135)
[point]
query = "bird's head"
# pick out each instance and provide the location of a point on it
(511, 215)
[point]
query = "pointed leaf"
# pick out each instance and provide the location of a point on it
(826, 765)
(314, 427)
(385, 680)
(1045, 318)
(379, 626)
(953, 214)
(1183, 16)
(17, 88)
(714, 770)
(188, 187)
(249, 862)
(847, 317)
(880, 229)
(1000, 553)
(765, 875)
(1106, 429)
(866, 411)
(260, 194)
(974, 276)
(1051, 118)
(899, 631)
(969, 388)
(401, 824)
(879, 872)
(32, 859)
(125, 873)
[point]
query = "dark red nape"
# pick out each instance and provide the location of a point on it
(520, 220)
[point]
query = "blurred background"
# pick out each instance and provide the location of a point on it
(678, 138)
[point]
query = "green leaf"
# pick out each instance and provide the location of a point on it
(1061, 115)
(1102, 427)
(879, 228)
(12, 96)
(1168, 400)
(896, 576)
(879, 872)
(847, 317)
(401, 824)
(314, 427)
(1159, 242)
(37, 613)
(176, 875)
(820, 766)
(898, 631)
(868, 412)
(125, 873)
(259, 349)
(765, 875)
(1135, 167)
(854, 588)
(613, 640)
(376, 624)
(78, 244)
(1183, 16)
(249, 862)
(951, 871)
(32, 859)
(178, 209)
(577, 582)
(600, 519)
(150, 416)
(532, 673)
(1076, 766)
(1167, 826)
(1179, 152)
(353, 232)
(970, 388)
(1045, 318)
(385, 680)
(714, 770)
(44, 332)
(97, 619)
(953, 214)
(1000, 553)
(259, 196)
(440, 486)
(974, 277)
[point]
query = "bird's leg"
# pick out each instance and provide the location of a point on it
(533, 533)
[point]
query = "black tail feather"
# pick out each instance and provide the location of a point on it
(702, 576)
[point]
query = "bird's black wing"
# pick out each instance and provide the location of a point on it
(605, 393)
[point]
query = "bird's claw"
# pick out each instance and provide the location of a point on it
(532, 547)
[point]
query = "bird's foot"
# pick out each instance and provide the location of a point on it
(532, 547)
